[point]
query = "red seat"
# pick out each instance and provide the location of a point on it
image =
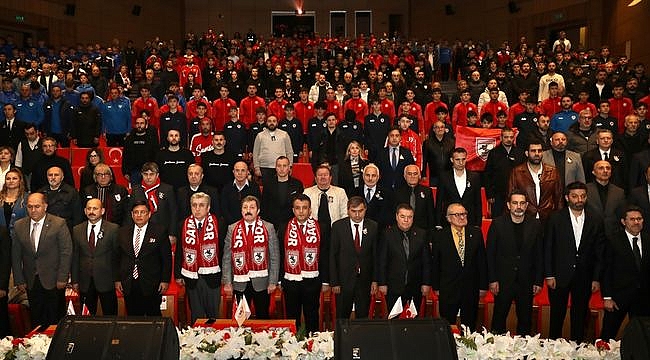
(78, 156)
(119, 178)
(76, 174)
(304, 173)
(64, 153)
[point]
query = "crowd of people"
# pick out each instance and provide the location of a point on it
(210, 133)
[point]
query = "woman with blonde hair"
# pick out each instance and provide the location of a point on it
(351, 169)
(13, 198)
(7, 156)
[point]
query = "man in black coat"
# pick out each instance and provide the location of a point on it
(12, 130)
(501, 160)
(233, 193)
(640, 197)
(86, 122)
(605, 151)
(392, 160)
(279, 193)
(161, 199)
(573, 252)
(459, 267)
(196, 185)
(419, 197)
(404, 260)
(515, 263)
(354, 260)
(143, 264)
(114, 197)
(50, 159)
(626, 275)
(460, 186)
(379, 200)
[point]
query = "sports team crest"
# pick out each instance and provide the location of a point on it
(190, 256)
(258, 255)
(483, 147)
(240, 260)
(310, 256)
(292, 258)
(209, 251)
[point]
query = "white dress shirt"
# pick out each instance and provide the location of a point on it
(38, 231)
(142, 232)
(577, 223)
(98, 227)
(354, 228)
(461, 182)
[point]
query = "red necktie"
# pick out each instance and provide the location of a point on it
(91, 238)
(357, 238)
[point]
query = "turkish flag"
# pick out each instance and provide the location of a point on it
(478, 142)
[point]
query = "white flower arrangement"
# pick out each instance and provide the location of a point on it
(242, 343)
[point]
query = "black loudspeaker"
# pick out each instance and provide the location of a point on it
(136, 10)
(104, 338)
(635, 343)
(70, 9)
(411, 339)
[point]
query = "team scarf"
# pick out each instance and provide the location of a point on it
(151, 193)
(301, 250)
(200, 247)
(249, 251)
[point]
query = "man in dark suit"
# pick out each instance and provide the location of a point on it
(515, 263)
(94, 247)
(605, 198)
(279, 192)
(251, 270)
(499, 164)
(41, 257)
(573, 251)
(143, 263)
(404, 260)
(626, 275)
(12, 130)
(606, 152)
(233, 193)
(459, 267)
(460, 186)
(161, 199)
(379, 200)
(419, 197)
(354, 260)
(196, 185)
(114, 197)
(392, 160)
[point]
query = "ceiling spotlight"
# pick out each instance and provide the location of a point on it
(634, 2)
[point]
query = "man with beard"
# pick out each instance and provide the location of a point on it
(139, 147)
(501, 160)
(218, 163)
(86, 123)
(63, 199)
(540, 183)
(515, 263)
(174, 161)
(573, 253)
(50, 159)
(567, 163)
(202, 142)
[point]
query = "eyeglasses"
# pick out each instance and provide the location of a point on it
(94, 155)
(458, 215)
(103, 174)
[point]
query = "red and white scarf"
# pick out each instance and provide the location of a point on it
(301, 250)
(249, 252)
(200, 247)
(151, 193)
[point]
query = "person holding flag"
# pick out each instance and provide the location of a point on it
(251, 258)
(404, 260)
(197, 259)
(302, 282)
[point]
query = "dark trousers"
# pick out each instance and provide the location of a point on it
(302, 297)
(444, 71)
(115, 139)
(522, 295)
(5, 328)
(636, 306)
(267, 175)
(499, 207)
(468, 311)
(108, 299)
(359, 295)
(47, 307)
(138, 304)
(61, 139)
(580, 293)
(204, 300)
(261, 299)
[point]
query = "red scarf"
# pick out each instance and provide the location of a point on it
(249, 252)
(151, 193)
(204, 242)
(301, 250)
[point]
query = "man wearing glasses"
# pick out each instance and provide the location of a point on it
(459, 267)
(114, 197)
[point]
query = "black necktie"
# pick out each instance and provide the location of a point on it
(637, 252)
(200, 225)
(606, 156)
(394, 159)
(323, 209)
(412, 198)
(368, 196)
